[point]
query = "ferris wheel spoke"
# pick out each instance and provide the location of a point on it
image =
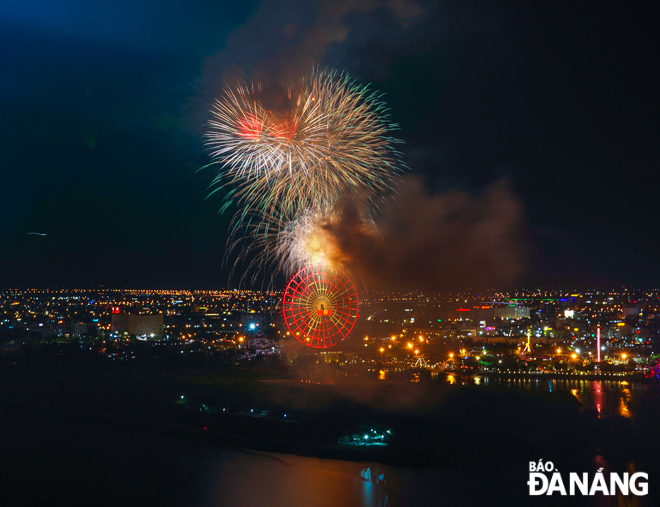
(305, 292)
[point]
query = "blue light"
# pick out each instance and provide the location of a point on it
(252, 326)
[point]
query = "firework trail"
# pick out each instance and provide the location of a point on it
(309, 239)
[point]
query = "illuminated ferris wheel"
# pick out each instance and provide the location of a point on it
(320, 306)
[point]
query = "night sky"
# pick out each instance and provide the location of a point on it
(552, 106)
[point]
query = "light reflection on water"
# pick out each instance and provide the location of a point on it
(246, 479)
(607, 397)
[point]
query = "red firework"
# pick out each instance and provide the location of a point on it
(320, 306)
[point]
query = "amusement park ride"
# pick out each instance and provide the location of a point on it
(320, 306)
(528, 346)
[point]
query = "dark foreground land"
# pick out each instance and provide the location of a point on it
(72, 429)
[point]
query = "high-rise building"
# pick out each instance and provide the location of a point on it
(78, 328)
(136, 324)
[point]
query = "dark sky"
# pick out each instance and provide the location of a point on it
(103, 106)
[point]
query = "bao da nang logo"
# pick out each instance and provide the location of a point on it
(545, 479)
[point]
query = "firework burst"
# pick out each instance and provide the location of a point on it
(331, 140)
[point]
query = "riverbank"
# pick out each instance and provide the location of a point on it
(254, 409)
(635, 377)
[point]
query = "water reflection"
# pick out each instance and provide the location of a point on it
(618, 499)
(597, 389)
(375, 487)
(247, 479)
(626, 396)
(606, 397)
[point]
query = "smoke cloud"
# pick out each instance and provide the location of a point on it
(284, 39)
(436, 241)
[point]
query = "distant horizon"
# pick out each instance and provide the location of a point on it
(397, 291)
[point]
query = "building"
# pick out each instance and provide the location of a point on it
(629, 311)
(261, 345)
(78, 328)
(511, 312)
(136, 324)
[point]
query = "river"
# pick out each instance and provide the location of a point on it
(240, 479)
(607, 397)
(52, 460)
